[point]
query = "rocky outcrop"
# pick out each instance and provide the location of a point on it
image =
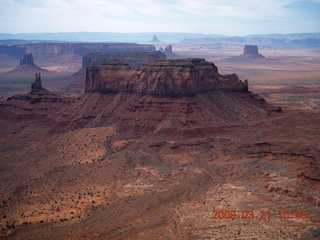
(27, 59)
(35, 105)
(134, 59)
(169, 53)
(36, 86)
(251, 52)
(184, 94)
(170, 78)
(27, 66)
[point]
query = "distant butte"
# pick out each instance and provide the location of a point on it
(250, 52)
(27, 65)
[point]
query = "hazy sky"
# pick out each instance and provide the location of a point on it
(230, 17)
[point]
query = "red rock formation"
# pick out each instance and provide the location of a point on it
(36, 85)
(183, 94)
(27, 66)
(27, 59)
(134, 59)
(173, 78)
(36, 105)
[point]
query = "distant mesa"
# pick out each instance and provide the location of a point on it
(250, 52)
(155, 39)
(134, 59)
(80, 49)
(27, 65)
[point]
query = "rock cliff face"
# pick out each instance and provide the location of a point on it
(65, 53)
(84, 48)
(251, 52)
(170, 78)
(36, 86)
(27, 59)
(12, 50)
(134, 59)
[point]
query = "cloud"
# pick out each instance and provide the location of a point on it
(150, 15)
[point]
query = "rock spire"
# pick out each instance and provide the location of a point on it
(36, 85)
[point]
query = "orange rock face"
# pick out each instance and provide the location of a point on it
(172, 78)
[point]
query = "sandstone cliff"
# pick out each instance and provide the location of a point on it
(81, 48)
(174, 78)
(27, 59)
(132, 58)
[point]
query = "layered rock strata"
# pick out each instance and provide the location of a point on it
(73, 48)
(134, 59)
(27, 59)
(170, 78)
(35, 105)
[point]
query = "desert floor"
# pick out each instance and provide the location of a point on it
(255, 181)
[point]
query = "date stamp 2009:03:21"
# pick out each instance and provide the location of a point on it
(260, 214)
